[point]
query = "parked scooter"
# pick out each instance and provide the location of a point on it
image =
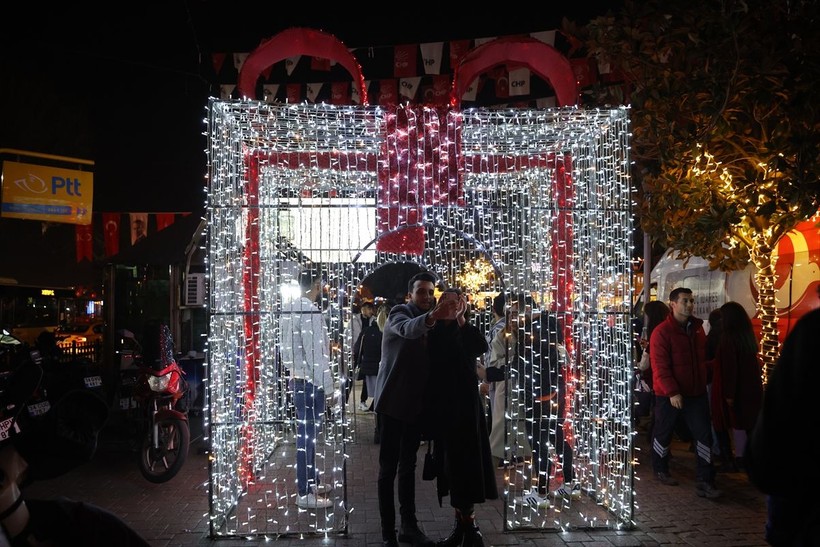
(47, 428)
(159, 390)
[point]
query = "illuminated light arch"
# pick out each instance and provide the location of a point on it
(553, 215)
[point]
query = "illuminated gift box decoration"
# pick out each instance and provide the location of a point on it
(543, 196)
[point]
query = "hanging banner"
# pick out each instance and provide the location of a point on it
(139, 227)
(51, 194)
(404, 61)
(431, 57)
(84, 242)
(269, 92)
(111, 233)
(519, 80)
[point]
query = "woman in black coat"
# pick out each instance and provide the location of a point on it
(458, 424)
(367, 352)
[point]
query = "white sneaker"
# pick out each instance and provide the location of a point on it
(566, 491)
(363, 406)
(535, 501)
(322, 488)
(312, 501)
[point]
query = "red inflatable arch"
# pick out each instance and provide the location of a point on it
(541, 58)
(298, 41)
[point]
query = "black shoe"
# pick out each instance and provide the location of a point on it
(455, 538)
(411, 533)
(740, 465)
(472, 536)
(707, 490)
(389, 539)
(666, 478)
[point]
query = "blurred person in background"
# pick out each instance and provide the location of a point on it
(737, 388)
(679, 378)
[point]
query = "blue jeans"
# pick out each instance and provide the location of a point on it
(309, 401)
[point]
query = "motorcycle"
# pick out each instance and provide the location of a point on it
(49, 424)
(159, 391)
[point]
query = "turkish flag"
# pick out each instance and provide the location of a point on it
(111, 233)
(164, 220)
(585, 72)
(84, 235)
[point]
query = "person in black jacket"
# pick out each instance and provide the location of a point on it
(543, 378)
(402, 399)
(464, 465)
(367, 352)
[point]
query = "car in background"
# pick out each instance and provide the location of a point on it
(81, 333)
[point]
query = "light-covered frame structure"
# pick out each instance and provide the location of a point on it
(542, 195)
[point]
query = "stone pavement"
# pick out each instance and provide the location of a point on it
(176, 513)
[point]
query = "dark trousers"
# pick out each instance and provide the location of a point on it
(398, 447)
(695, 413)
(545, 430)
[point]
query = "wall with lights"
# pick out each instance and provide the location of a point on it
(541, 196)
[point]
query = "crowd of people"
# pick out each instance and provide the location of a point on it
(433, 376)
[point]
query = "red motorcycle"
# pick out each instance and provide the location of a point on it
(159, 391)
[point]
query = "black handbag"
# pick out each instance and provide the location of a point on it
(428, 472)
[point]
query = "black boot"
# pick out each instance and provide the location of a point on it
(472, 535)
(389, 539)
(456, 537)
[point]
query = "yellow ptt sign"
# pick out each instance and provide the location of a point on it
(52, 194)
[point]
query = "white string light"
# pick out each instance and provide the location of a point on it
(543, 196)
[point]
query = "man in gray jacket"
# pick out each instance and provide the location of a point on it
(401, 398)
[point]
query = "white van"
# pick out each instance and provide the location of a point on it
(797, 283)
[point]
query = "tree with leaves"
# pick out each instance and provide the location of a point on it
(725, 112)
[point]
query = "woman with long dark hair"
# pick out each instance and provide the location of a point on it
(464, 467)
(737, 388)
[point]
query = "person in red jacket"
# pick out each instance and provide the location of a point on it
(679, 376)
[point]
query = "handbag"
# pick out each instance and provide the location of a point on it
(428, 472)
(643, 364)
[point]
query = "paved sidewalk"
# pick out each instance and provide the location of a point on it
(176, 513)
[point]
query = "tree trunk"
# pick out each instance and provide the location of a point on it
(761, 256)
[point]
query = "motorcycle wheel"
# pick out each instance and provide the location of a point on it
(162, 463)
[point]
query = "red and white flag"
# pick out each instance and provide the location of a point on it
(164, 220)
(85, 239)
(404, 61)
(111, 233)
(340, 93)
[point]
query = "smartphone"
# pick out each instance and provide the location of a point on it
(450, 296)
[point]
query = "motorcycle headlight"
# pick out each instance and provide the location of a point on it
(159, 383)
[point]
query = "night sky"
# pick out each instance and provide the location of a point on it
(127, 85)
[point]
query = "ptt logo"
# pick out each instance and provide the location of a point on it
(36, 185)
